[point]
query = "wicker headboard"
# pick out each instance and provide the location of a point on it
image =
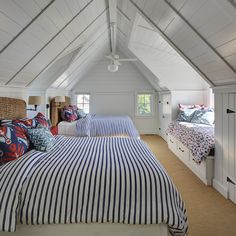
(12, 108)
(55, 110)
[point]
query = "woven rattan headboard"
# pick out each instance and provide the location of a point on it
(55, 110)
(12, 108)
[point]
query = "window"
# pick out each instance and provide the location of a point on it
(145, 104)
(82, 101)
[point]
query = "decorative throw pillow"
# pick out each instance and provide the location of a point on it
(204, 116)
(41, 119)
(41, 138)
(69, 114)
(81, 113)
(186, 114)
(25, 123)
(5, 122)
(13, 143)
(182, 107)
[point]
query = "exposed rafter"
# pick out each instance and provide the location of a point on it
(67, 46)
(30, 23)
(171, 43)
(200, 36)
(113, 23)
(45, 45)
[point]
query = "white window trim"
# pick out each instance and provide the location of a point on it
(152, 104)
(83, 93)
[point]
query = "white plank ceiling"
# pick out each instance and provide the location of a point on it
(54, 43)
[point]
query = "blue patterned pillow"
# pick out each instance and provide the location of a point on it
(41, 138)
(186, 114)
(206, 117)
(81, 113)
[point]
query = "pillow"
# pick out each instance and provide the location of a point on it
(41, 138)
(186, 114)
(5, 122)
(41, 119)
(13, 143)
(182, 107)
(81, 113)
(204, 116)
(25, 123)
(69, 114)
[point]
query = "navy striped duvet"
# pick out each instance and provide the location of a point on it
(99, 125)
(110, 179)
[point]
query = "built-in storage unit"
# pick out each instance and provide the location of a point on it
(204, 170)
(168, 105)
(164, 105)
(225, 132)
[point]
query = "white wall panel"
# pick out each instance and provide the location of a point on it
(30, 7)
(115, 93)
(225, 136)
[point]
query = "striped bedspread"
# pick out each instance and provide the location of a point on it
(99, 125)
(110, 179)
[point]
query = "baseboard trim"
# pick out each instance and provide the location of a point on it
(220, 188)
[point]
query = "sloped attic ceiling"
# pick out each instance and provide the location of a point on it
(60, 40)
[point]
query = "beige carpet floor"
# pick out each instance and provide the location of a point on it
(209, 213)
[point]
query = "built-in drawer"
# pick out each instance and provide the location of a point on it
(204, 170)
(182, 151)
(172, 143)
(200, 168)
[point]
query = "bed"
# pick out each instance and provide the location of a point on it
(99, 126)
(194, 144)
(91, 185)
(92, 125)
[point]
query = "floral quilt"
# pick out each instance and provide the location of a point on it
(198, 138)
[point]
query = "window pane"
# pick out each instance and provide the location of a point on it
(83, 102)
(86, 98)
(79, 98)
(144, 104)
(86, 108)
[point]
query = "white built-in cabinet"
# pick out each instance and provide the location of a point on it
(225, 134)
(168, 105)
(164, 110)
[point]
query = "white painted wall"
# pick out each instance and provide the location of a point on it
(47, 95)
(13, 92)
(23, 93)
(189, 97)
(225, 138)
(115, 93)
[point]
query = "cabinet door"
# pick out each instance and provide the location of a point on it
(231, 148)
(164, 114)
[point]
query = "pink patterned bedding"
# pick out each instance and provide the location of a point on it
(198, 138)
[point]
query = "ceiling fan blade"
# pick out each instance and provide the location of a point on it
(109, 57)
(116, 62)
(128, 59)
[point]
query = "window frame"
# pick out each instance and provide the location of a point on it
(151, 114)
(77, 104)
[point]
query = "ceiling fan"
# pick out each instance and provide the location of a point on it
(116, 61)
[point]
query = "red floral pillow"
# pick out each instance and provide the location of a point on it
(25, 123)
(13, 143)
(41, 119)
(68, 113)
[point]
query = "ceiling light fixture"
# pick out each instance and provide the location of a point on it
(112, 67)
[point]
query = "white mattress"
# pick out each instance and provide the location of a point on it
(67, 128)
(92, 229)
